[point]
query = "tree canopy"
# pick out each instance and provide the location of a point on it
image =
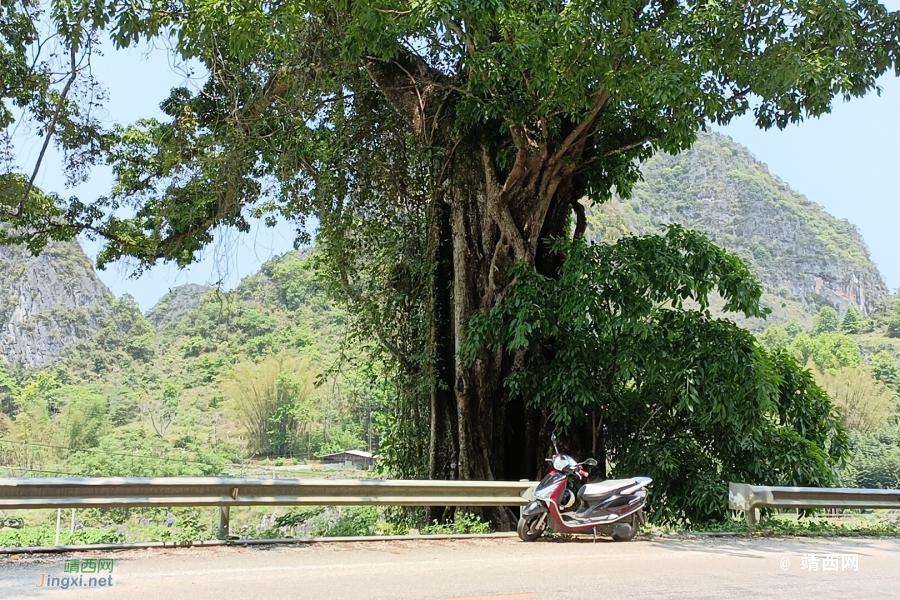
(588, 86)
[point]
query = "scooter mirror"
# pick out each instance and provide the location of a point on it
(591, 462)
(553, 437)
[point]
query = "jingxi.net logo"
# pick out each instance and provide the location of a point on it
(88, 574)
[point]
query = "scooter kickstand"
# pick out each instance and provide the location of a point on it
(595, 536)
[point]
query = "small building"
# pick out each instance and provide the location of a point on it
(349, 459)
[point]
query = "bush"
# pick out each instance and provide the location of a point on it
(875, 459)
(133, 454)
(853, 320)
(827, 321)
(463, 523)
(865, 404)
(893, 329)
(346, 521)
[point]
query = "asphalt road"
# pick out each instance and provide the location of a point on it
(482, 570)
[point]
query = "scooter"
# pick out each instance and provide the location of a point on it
(614, 507)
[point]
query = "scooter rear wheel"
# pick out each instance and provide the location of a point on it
(531, 527)
(635, 524)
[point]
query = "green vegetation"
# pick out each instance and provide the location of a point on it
(861, 374)
(813, 525)
(624, 362)
(442, 153)
(853, 320)
(893, 328)
(256, 372)
(827, 321)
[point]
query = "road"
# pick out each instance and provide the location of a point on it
(503, 569)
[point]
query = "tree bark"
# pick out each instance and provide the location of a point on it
(492, 227)
(444, 438)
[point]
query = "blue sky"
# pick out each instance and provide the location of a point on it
(847, 161)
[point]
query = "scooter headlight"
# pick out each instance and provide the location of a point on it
(544, 494)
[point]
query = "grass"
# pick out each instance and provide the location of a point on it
(881, 523)
(108, 526)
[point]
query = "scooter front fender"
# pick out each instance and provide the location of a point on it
(535, 508)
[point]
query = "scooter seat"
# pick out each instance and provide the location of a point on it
(604, 488)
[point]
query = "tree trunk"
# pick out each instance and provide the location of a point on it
(444, 438)
(491, 229)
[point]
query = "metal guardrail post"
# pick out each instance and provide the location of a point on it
(751, 518)
(58, 519)
(224, 523)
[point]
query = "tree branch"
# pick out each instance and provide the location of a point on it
(580, 220)
(51, 129)
(400, 81)
(629, 146)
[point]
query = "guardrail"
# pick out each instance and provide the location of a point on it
(748, 498)
(95, 492)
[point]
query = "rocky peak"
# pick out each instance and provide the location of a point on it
(799, 252)
(176, 304)
(48, 302)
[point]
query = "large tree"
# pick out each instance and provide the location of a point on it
(438, 144)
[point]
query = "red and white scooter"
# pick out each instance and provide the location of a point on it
(613, 507)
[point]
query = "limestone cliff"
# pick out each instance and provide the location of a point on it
(47, 302)
(801, 254)
(176, 304)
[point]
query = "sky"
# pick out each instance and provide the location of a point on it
(847, 161)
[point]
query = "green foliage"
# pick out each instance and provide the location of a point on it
(853, 320)
(775, 338)
(370, 520)
(131, 453)
(9, 391)
(163, 409)
(319, 114)
(340, 439)
(503, 67)
(462, 523)
(690, 400)
(719, 188)
(347, 521)
(864, 403)
(188, 528)
(827, 321)
(793, 329)
(886, 369)
(827, 351)
(85, 417)
(875, 459)
(98, 390)
(273, 402)
(47, 91)
(46, 536)
(789, 525)
(893, 328)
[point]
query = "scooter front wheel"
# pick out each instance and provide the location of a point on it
(532, 527)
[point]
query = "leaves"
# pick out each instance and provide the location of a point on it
(292, 84)
(623, 334)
